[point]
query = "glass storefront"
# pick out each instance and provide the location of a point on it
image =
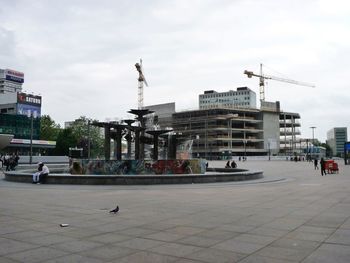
(19, 126)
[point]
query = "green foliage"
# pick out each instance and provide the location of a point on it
(329, 152)
(49, 130)
(77, 135)
(65, 139)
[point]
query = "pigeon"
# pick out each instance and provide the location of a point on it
(115, 210)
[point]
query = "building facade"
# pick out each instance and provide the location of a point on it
(10, 81)
(161, 118)
(336, 138)
(222, 133)
(290, 141)
(20, 115)
(243, 97)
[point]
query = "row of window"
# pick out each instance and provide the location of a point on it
(216, 95)
(235, 100)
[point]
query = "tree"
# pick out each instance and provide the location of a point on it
(325, 145)
(329, 151)
(80, 129)
(49, 130)
(65, 139)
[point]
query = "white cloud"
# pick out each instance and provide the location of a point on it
(80, 55)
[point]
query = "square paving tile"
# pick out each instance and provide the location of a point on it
(36, 255)
(49, 239)
(215, 255)
(77, 245)
(295, 244)
(109, 238)
(184, 230)
(74, 258)
(238, 246)
(176, 250)
(266, 231)
(307, 236)
(341, 236)
(218, 234)
(165, 236)
(108, 252)
(140, 243)
(198, 241)
(329, 253)
(255, 239)
(146, 257)
(137, 231)
(284, 253)
(261, 259)
(8, 246)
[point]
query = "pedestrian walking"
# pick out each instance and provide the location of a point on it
(323, 166)
(316, 164)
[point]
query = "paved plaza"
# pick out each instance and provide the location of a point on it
(293, 214)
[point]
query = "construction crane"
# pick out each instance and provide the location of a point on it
(262, 77)
(141, 80)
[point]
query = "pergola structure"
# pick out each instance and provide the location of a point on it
(116, 131)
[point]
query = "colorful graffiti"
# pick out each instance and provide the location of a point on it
(137, 167)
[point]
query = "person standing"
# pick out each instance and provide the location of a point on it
(323, 166)
(316, 164)
(7, 161)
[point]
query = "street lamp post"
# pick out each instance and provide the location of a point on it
(31, 139)
(197, 138)
(245, 149)
(313, 139)
(89, 143)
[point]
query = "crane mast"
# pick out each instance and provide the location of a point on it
(262, 77)
(141, 79)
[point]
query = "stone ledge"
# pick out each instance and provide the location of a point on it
(214, 175)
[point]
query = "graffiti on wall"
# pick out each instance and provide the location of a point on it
(136, 167)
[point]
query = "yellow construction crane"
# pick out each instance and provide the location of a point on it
(141, 80)
(262, 77)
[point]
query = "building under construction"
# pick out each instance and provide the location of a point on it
(221, 133)
(290, 133)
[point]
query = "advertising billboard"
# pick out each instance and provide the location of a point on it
(24, 98)
(28, 110)
(14, 75)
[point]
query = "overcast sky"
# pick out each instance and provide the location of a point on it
(80, 55)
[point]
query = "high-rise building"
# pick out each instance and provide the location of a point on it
(336, 138)
(243, 97)
(11, 81)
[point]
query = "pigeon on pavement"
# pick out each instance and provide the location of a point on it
(115, 210)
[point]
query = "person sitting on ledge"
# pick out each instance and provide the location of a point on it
(228, 165)
(44, 173)
(233, 164)
(36, 175)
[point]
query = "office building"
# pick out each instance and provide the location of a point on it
(222, 133)
(20, 114)
(243, 97)
(336, 138)
(11, 81)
